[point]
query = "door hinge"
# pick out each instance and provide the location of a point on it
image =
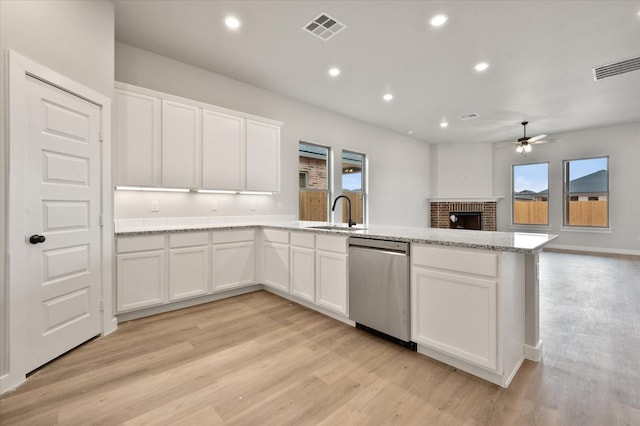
(102, 306)
(100, 221)
(101, 136)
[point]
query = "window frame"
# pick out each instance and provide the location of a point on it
(365, 182)
(329, 176)
(513, 196)
(566, 195)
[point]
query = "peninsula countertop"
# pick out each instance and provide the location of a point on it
(519, 242)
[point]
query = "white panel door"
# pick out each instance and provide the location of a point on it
(456, 314)
(302, 265)
(276, 266)
(181, 145)
(137, 141)
(263, 156)
(222, 151)
(331, 281)
(233, 265)
(63, 183)
(188, 272)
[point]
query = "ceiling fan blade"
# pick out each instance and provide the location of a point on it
(541, 141)
(536, 138)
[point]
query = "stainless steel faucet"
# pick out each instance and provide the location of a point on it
(350, 222)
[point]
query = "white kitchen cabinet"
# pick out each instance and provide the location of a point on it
(223, 151)
(188, 265)
(457, 314)
(275, 259)
(263, 156)
(302, 266)
(233, 259)
(140, 272)
(181, 145)
(331, 273)
(136, 147)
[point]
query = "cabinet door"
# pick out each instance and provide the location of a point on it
(188, 272)
(455, 314)
(276, 266)
(263, 156)
(137, 140)
(222, 151)
(140, 280)
(303, 280)
(233, 265)
(331, 281)
(181, 145)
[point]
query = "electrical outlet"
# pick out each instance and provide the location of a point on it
(280, 205)
(155, 205)
(252, 206)
(213, 206)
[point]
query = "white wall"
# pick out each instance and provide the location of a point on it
(399, 166)
(622, 144)
(463, 170)
(74, 38)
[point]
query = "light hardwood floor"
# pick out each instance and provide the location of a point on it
(258, 359)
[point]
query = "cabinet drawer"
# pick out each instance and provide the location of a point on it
(188, 239)
(302, 239)
(222, 237)
(459, 260)
(275, 236)
(131, 244)
(335, 244)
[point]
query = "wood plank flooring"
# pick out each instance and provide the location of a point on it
(258, 359)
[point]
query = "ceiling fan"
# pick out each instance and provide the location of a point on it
(524, 143)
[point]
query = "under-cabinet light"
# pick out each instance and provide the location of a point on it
(215, 191)
(255, 193)
(139, 188)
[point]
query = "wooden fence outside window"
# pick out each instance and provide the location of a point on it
(581, 213)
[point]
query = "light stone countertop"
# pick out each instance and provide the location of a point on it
(519, 242)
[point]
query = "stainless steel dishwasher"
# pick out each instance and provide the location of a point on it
(379, 288)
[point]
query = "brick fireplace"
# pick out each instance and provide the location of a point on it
(441, 212)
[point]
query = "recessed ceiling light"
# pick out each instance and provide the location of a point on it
(410, 132)
(444, 124)
(481, 66)
(438, 20)
(232, 22)
(334, 72)
(387, 97)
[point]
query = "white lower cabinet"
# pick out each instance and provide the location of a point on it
(233, 259)
(302, 273)
(276, 266)
(141, 271)
(188, 265)
(331, 273)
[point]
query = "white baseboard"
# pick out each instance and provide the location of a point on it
(593, 249)
(533, 353)
(9, 383)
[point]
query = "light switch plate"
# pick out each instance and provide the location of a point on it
(213, 206)
(252, 206)
(155, 205)
(280, 205)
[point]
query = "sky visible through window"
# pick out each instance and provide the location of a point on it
(352, 181)
(533, 177)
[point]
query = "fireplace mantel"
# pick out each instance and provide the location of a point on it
(490, 199)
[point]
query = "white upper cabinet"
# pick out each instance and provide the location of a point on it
(223, 158)
(181, 145)
(164, 140)
(263, 156)
(137, 147)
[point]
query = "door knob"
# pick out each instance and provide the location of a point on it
(37, 239)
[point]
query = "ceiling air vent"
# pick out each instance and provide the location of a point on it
(469, 116)
(324, 27)
(616, 68)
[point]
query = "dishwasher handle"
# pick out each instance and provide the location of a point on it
(395, 246)
(381, 251)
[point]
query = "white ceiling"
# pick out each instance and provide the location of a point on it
(541, 55)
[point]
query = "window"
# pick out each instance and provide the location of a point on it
(586, 192)
(531, 194)
(354, 185)
(313, 163)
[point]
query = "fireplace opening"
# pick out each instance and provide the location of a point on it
(465, 220)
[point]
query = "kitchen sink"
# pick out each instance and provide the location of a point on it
(336, 228)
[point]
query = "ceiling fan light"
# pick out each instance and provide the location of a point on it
(519, 149)
(527, 148)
